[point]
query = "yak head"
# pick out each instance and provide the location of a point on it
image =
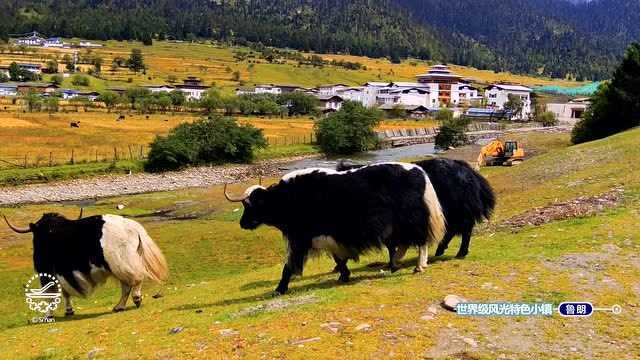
(257, 206)
(47, 224)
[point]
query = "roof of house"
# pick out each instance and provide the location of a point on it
(374, 83)
(406, 90)
(508, 87)
(187, 86)
(8, 85)
(332, 85)
(404, 107)
(30, 64)
(407, 84)
(41, 85)
(330, 97)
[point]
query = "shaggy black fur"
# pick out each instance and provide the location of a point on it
(465, 196)
(62, 246)
(361, 210)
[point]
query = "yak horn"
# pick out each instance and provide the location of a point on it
(81, 211)
(16, 229)
(235, 198)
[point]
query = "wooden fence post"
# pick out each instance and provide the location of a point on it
(25, 161)
(73, 159)
(115, 154)
(50, 158)
(130, 153)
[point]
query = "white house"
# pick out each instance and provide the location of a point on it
(4, 70)
(54, 42)
(88, 44)
(330, 103)
(34, 39)
(370, 92)
(7, 89)
(332, 89)
(268, 89)
(465, 94)
(160, 88)
(192, 88)
(570, 112)
(34, 68)
(498, 94)
(352, 94)
(443, 85)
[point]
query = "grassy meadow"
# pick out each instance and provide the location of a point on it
(216, 65)
(218, 299)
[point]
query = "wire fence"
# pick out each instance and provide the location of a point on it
(73, 157)
(117, 153)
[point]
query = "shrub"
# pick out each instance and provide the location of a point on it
(349, 130)
(452, 133)
(444, 115)
(216, 140)
(548, 118)
(57, 79)
(80, 80)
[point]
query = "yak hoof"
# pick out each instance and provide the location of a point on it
(418, 269)
(69, 313)
(335, 270)
(279, 292)
(439, 253)
(344, 278)
(118, 309)
(137, 301)
(461, 256)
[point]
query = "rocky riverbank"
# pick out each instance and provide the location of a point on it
(115, 185)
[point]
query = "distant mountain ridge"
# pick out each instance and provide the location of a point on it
(561, 38)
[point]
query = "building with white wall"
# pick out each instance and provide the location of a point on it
(570, 112)
(497, 95)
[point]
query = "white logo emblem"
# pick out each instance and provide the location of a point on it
(43, 299)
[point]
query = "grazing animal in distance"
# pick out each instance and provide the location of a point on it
(74, 124)
(120, 118)
(466, 197)
(346, 213)
(83, 253)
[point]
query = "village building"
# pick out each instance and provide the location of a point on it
(69, 94)
(160, 88)
(54, 42)
(34, 68)
(330, 89)
(192, 88)
(33, 39)
(330, 103)
(268, 89)
(8, 89)
(497, 96)
(4, 70)
(39, 88)
(443, 85)
(411, 111)
(355, 94)
(570, 112)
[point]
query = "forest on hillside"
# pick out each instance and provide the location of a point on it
(555, 38)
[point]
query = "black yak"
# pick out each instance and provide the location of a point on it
(465, 196)
(347, 213)
(83, 253)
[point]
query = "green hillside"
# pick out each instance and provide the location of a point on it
(222, 278)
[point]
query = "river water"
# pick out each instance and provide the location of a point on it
(385, 155)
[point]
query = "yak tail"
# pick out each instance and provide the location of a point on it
(437, 223)
(154, 262)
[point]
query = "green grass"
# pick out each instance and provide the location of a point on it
(66, 172)
(220, 275)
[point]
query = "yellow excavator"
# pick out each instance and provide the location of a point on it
(497, 152)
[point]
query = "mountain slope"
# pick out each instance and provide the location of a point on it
(551, 37)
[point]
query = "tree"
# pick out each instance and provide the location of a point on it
(80, 80)
(136, 60)
(444, 115)
(15, 73)
(397, 112)
(452, 133)
(110, 99)
(57, 79)
(97, 64)
(298, 103)
(52, 66)
(211, 101)
(514, 105)
(615, 106)
(51, 104)
(178, 98)
(349, 130)
(69, 63)
(547, 118)
(216, 140)
(3, 77)
(136, 94)
(33, 101)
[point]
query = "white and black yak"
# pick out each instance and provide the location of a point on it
(465, 196)
(347, 213)
(83, 253)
